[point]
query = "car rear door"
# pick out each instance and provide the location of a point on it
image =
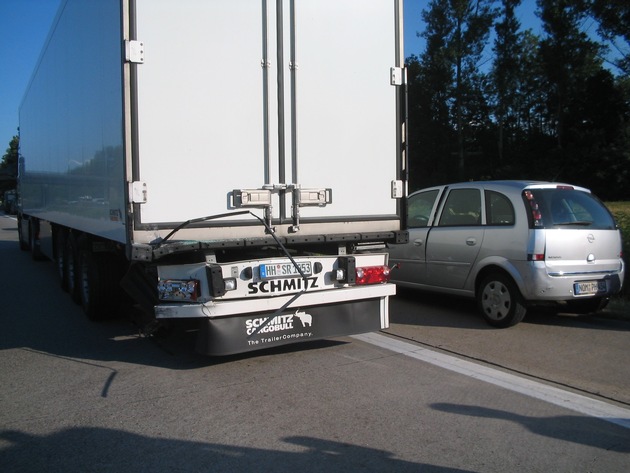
(454, 242)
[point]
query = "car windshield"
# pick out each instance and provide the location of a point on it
(569, 208)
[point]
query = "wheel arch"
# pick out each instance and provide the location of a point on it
(503, 266)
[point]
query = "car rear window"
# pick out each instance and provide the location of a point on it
(499, 209)
(567, 208)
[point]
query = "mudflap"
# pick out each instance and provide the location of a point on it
(243, 333)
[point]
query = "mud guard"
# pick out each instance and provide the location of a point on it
(238, 334)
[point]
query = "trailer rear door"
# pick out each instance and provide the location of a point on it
(238, 100)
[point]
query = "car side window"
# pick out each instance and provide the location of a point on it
(462, 208)
(499, 209)
(419, 207)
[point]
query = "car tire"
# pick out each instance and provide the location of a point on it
(500, 301)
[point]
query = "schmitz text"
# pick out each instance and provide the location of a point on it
(282, 285)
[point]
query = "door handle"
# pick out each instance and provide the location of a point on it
(471, 241)
(418, 242)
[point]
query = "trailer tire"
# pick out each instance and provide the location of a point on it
(61, 236)
(23, 242)
(100, 292)
(33, 230)
(71, 267)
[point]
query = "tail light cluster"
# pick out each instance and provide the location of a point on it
(372, 275)
(349, 273)
(534, 209)
(536, 221)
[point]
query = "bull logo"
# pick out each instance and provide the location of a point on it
(306, 319)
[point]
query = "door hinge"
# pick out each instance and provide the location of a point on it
(398, 189)
(138, 192)
(134, 51)
(397, 75)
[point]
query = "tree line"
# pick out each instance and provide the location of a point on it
(548, 107)
(9, 167)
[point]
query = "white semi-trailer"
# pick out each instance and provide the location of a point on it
(236, 162)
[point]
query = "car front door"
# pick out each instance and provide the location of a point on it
(410, 257)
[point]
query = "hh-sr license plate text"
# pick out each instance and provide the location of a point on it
(285, 270)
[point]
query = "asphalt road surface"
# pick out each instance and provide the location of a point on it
(437, 392)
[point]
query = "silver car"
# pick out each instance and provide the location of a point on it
(510, 245)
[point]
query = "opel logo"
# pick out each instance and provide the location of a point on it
(590, 238)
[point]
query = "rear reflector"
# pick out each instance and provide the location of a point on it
(536, 257)
(372, 275)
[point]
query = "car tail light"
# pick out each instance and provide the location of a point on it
(536, 257)
(534, 209)
(372, 275)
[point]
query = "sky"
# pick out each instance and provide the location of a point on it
(25, 25)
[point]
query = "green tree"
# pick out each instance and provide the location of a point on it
(507, 72)
(472, 21)
(614, 26)
(448, 87)
(9, 166)
(587, 110)
(555, 111)
(569, 58)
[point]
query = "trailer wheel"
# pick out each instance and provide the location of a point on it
(61, 236)
(33, 230)
(100, 292)
(21, 239)
(71, 267)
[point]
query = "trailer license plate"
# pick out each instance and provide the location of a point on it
(589, 287)
(285, 270)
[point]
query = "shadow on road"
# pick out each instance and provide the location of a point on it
(37, 315)
(99, 449)
(415, 307)
(583, 430)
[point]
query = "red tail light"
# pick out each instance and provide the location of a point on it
(372, 275)
(534, 209)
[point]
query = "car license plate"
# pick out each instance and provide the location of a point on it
(285, 270)
(589, 287)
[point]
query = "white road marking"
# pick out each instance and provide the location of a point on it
(568, 400)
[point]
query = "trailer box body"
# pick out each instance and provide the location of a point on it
(193, 135)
